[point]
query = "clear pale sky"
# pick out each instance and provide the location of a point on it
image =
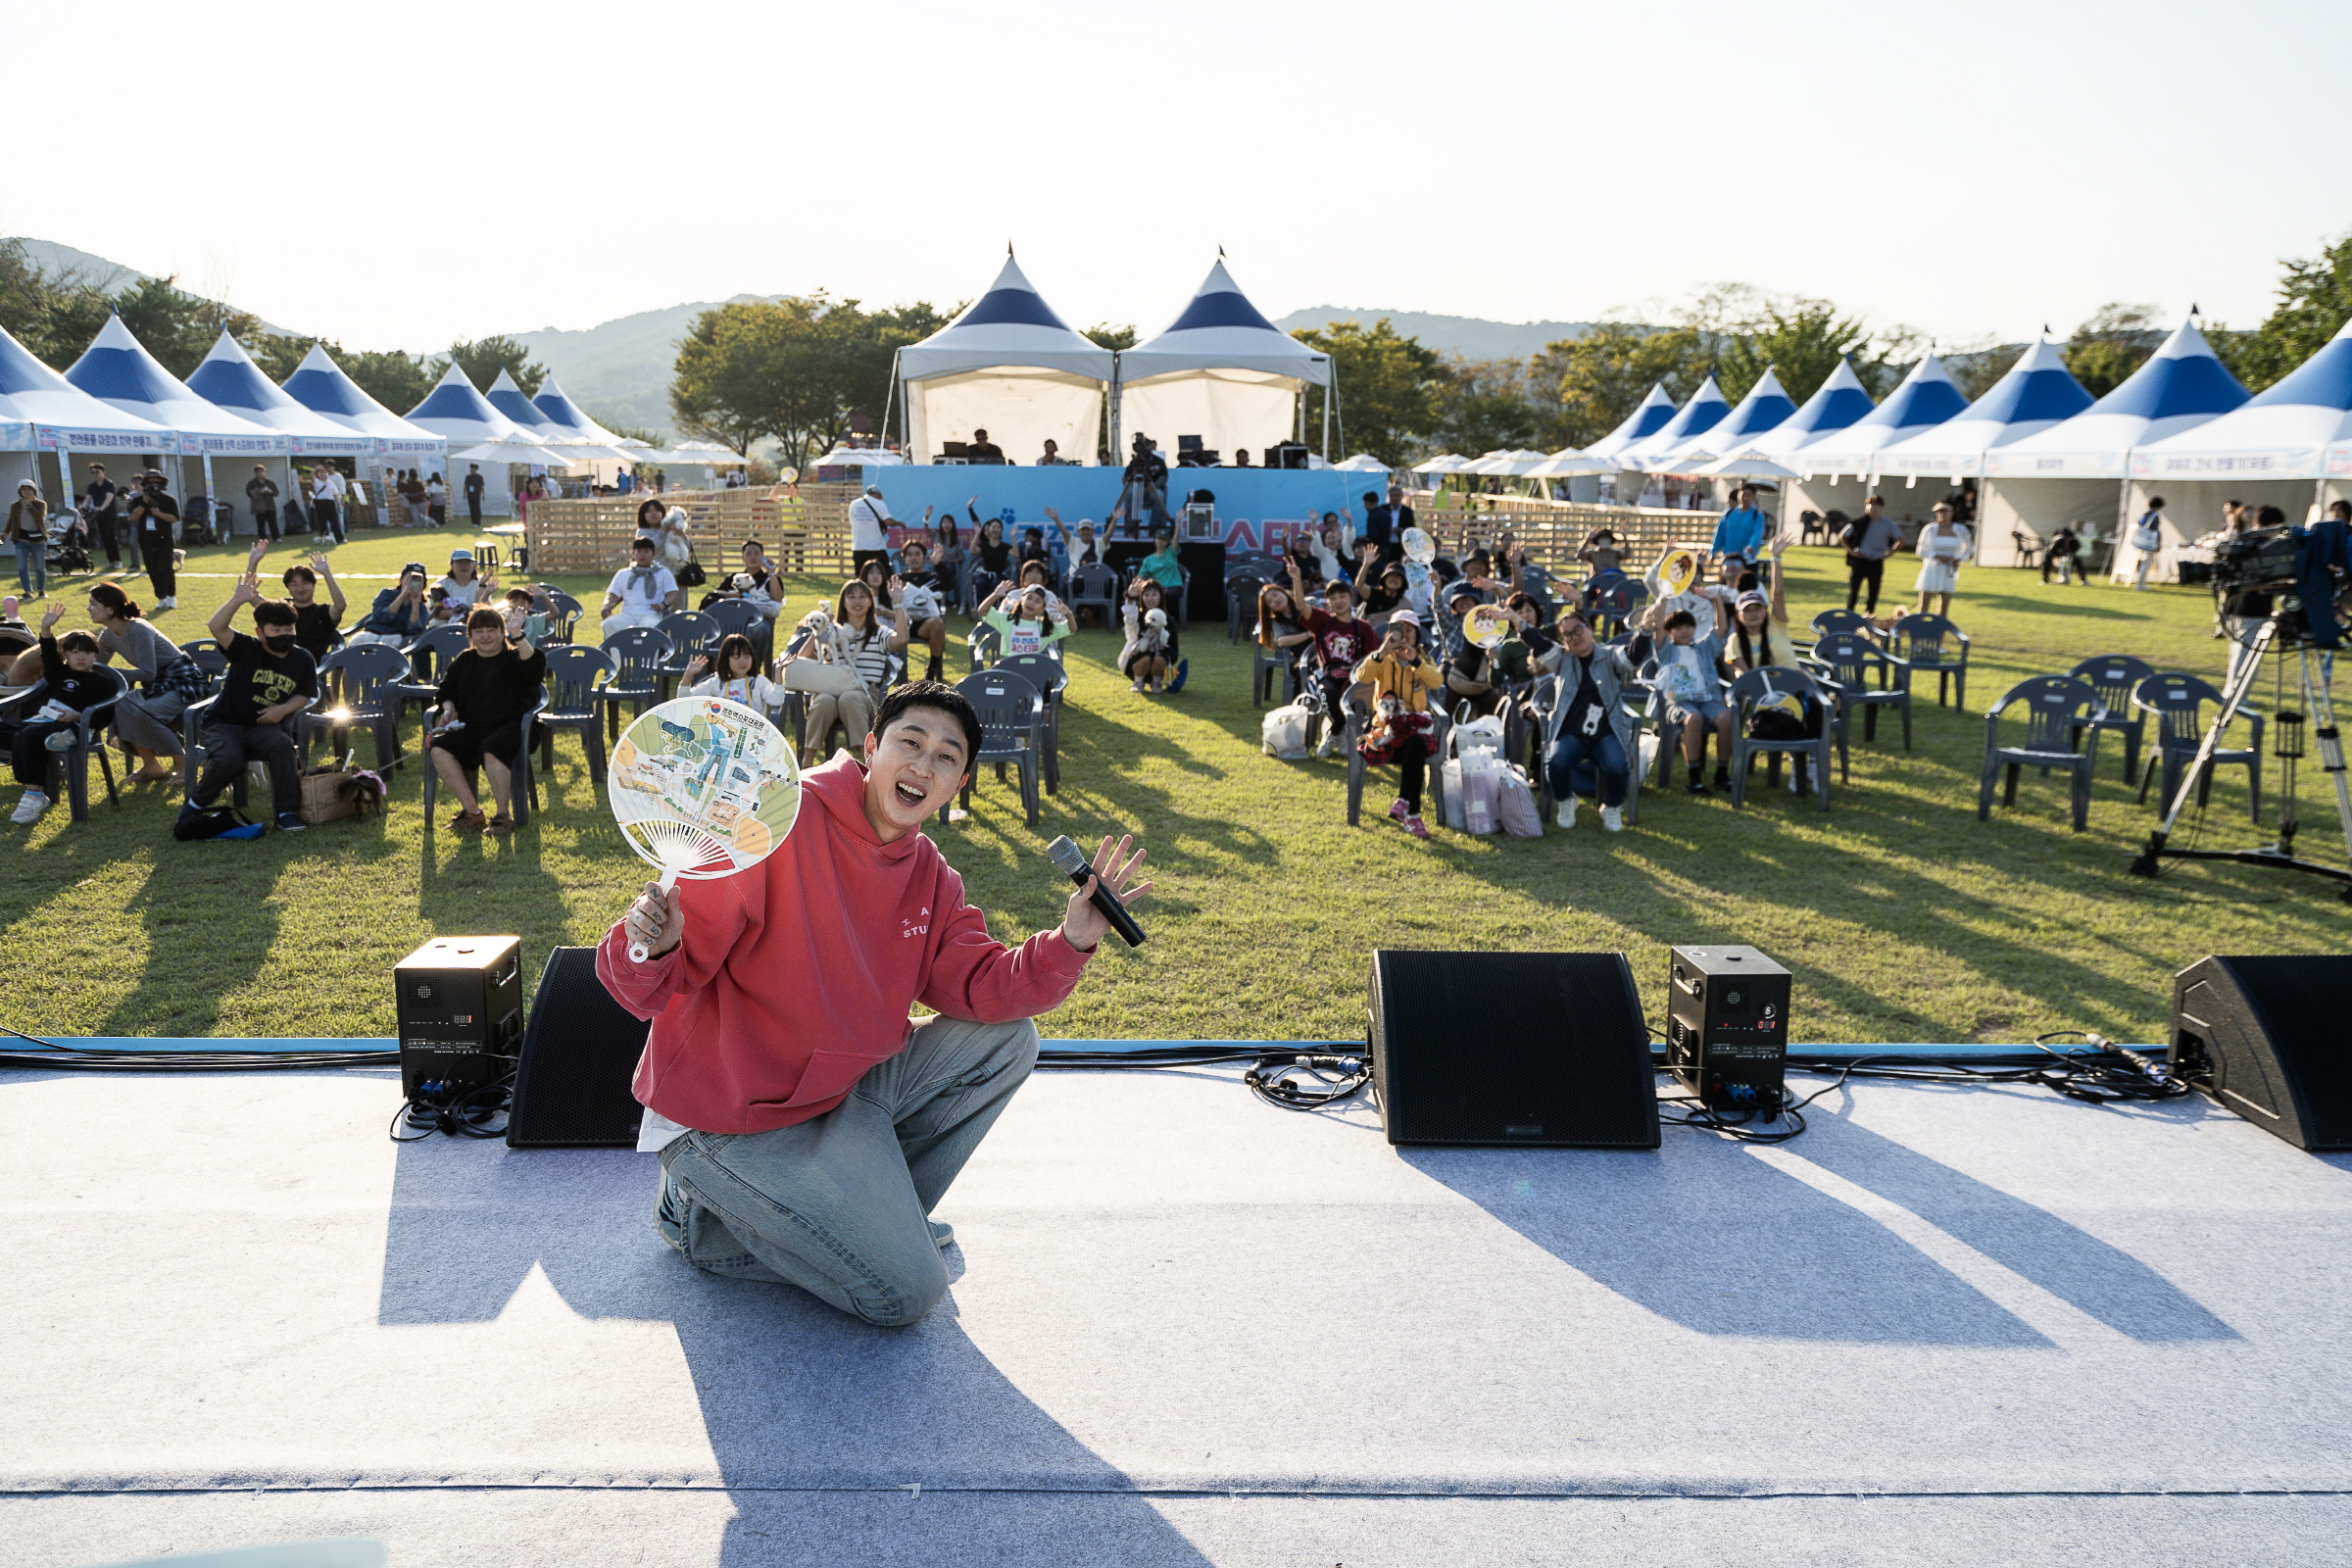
(1971, 170)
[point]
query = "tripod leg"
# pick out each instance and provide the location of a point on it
(2193, 777)
(2320, 705)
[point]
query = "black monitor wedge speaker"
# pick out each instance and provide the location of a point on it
(1537, 1050)
(579, 1054)
(2270, 1039)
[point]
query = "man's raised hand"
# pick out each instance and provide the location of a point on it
(1082, 924)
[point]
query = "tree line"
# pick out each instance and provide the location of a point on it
(55, 313)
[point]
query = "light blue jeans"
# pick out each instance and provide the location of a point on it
(33, 565)
(840, 1205)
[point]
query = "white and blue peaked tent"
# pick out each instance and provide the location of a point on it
(2036, 393)
(1221, 371)
(1010, 366)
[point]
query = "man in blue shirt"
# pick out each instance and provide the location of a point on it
(1741, 531)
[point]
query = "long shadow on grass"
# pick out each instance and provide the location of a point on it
(209, 925)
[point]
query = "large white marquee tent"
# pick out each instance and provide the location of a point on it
(1766, 408)
(1704, 411)
(1836, 404)
(117, 369)
(228, 379)
(40, 411)
(1926, 398)
(2036, 393)
(1010, 366)
(1221, 371)
(1649, 415)
(476, 432)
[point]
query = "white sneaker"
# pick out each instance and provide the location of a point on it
(60, 740)
(167, 604)
(1568, 812)
(1328, 747)
(30, 806)
(1612, 820)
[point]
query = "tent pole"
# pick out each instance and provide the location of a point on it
(212, 500)
(1117, 387)
(65, 470)
(889, 393)
(1330, 391)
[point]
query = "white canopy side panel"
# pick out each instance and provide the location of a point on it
(1228, 410)
(2039, 509)
(1019, 408)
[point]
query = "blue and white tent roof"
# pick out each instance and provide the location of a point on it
(1926, 398)
(1704, 411)
(1011, 326)
(229, 379)
(505, 396)
(1645, 422)
(319, 384)
(462, 417)
(1221, 330)
(2182, 385)
(2036, 393)
(33, 395)
(1766, 408)
(1839, 402)
(2298, 428)
(118, 371)
(569, 417)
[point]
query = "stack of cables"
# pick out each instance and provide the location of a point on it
(1297, 1075)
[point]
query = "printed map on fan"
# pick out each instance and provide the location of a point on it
(704, 786)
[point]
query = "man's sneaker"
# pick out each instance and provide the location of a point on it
(1416, 827)
(167, 603)
(290, 822)
(1328, 747)
(1612, 819)
(1722, 779)
(60, 740)
(1568, 812)
(942, 1234)
(30, 806)
(1399, 810)
(1695, 787)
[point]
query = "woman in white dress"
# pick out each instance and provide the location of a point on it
(1942, 545)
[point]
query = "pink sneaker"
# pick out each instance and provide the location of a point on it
(1399, 810)
(1416, 827)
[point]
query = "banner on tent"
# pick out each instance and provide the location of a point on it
(402, 447)
(332, 446)
(232, 446)
(2301, 465)
(2051, 466)
(2339, 460)
(55, 438)
(1254, 509)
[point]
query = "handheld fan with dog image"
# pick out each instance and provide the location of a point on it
(703, 788)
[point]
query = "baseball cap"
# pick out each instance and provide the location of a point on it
(460, 554)
(1754, 596)
(1404, 617)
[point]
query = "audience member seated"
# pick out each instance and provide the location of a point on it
(1341, 642)
(1690, 678)
(854, 636)
(1162, 567)
(69, 666)
(1281, 621)
(1033, 546)
(734, 676)
(399, 615)
(1475, 676)
(920, 591)
(1532, 631)
(486, 693)
(270, 678)
(463, 588)
(992, 557)
(1152, 644)
(1588, 729)
(640, 594)
(1380, 586)
(1759, 631)
(755, 582)
(1024, 618)
(1600, 552)
(146, 722)
(1082, 549)
(316, 625)
(980, 449)
(1402, 678)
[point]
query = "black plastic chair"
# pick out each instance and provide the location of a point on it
(1096, 588)
(641, 660)
(2115, 678)
(2178, 705)
(1359, 724)
(1853, 620)
(1931, 645)
(72, 765)
(564, 620)
(428, 660)
(1048, 675)
(574, 676)
(191, 731)
(2057, 709)
(1842, 662)
(358, 688)
(211, 659)
(1268, 667)
(982, 648)
(1751, 691)
(527, 777)
(736, 617)
(1011, 715)
(690, 632)
(1616, 602)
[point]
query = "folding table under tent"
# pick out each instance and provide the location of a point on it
(1766, 408)
(2037, 392)
(1837, 403)
(40, 411)
(1010, 366)
(319, 384)
(228, 379)
(2077, 471)
(2294, 435)
(1223, 372)
(1926, 398)
(118, 371)
(477, 432)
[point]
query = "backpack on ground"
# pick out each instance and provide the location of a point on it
(213, 822)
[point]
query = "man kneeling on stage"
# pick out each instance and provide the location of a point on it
(806, 1125)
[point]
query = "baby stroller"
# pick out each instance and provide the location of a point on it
(69, 545)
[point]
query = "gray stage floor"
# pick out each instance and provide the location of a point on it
(1945, 1325)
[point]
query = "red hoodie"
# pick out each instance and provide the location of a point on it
(796, 976)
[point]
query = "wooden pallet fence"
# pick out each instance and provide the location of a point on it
(804, 534)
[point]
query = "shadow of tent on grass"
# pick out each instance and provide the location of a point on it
(795, 1395)
(1711, 1238)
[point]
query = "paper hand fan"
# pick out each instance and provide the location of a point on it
(1487, 626)
(702, 787)
(1678, 570)
(1419, 548)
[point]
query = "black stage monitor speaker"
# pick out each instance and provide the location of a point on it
(1727, 1026)
(459, 1005)
(2271, 1038)
(1540, 1049)
(578, 1056)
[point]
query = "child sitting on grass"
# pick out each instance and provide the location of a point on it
(69, 665)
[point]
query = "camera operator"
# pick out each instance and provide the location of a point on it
(1144, 487)
(154, 515)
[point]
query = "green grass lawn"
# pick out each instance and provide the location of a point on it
(1903, 917)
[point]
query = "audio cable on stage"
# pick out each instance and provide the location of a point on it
(476, 1112)
(1301, 1075)
(56, 1057)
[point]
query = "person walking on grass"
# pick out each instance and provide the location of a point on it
(1942, 545)
(2147, 537)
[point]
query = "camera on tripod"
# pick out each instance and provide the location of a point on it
(2254, 577)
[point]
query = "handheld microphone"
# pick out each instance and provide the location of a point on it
(1069, 859)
